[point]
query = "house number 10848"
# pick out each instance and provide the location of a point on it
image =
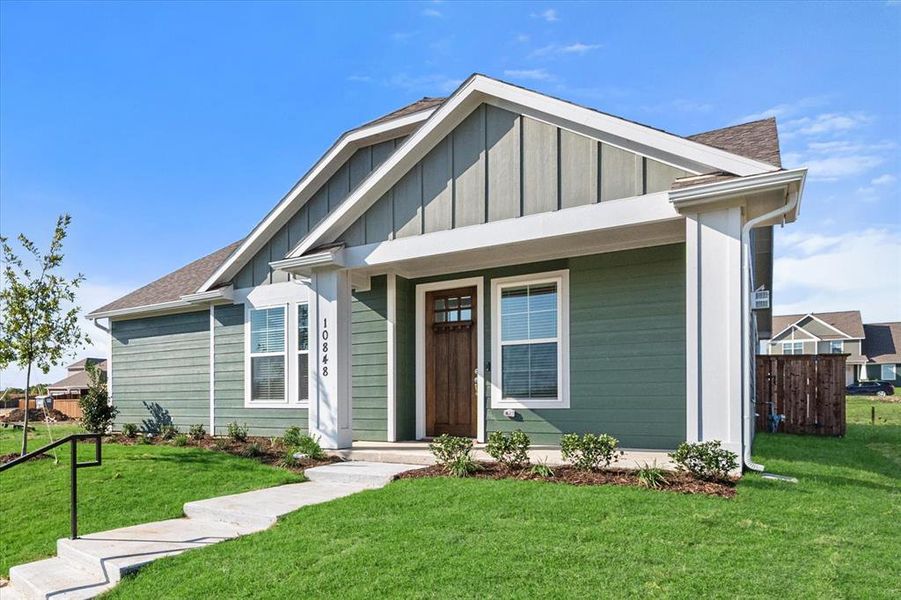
(325, 347)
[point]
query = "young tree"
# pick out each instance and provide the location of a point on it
(36, 327)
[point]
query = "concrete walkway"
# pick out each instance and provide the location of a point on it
(94, 563)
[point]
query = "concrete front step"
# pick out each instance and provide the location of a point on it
(121, 551)
(359, 473)
(94, 563)
(55, 578)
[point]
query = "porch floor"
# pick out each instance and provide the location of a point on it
(417, 453)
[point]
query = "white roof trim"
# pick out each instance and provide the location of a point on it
(223, 294)
(711, 192)
(816, 318)
(478, 89)
(339, 151)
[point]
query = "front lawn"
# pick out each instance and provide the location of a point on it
(136, 484)
(837, 533)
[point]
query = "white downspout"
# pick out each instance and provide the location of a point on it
(745, 322)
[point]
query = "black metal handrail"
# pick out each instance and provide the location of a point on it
(74, 465)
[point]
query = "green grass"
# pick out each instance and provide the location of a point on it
(834, 534)
(134, 485)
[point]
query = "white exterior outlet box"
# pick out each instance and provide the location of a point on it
(509, 413)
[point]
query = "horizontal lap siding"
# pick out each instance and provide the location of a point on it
(229, 383)
(162, 370)
(369, 333)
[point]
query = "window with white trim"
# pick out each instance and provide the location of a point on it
(887, 372)
(792, 347)
(837, 347)
(303, 352)
(530, 340)
(267, 354)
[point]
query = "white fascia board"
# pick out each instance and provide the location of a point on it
(478, 89)
(532, 228)
(305, 264)
(223, 294)
(218, 294)
(723, 190)
(305, 188)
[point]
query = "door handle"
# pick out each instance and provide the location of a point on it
(475, 379)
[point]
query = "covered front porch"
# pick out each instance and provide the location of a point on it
(417, 453)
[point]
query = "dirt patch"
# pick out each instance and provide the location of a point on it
(269, 451)
(17, 415)
(675, 482)
(5, 458)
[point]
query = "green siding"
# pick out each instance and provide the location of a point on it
(405, 377)
(627, 348)
(161, 370)
(369, 333)
(229, 382)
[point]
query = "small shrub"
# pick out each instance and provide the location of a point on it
(221, 444)
(180, 440)
(705, 460)
(454, 454)
(589, 452)
(542, 469)
(511, 450)
(288, 461)
(129, 430)
(97, 412)
(146, 438)
(292, 437)
(197, 432)
(252, 450)
(237, 432)
(168, 432)
(651, 476)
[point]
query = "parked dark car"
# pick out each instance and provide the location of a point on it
(871, 388)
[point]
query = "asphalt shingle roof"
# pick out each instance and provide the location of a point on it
(883, 342)
(846, 321)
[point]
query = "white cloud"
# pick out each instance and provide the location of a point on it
(90, 296)
(576, 48)
(549, 15)
(836, 159)
(830, 169)
(523, 38)
(886, 179)
(531, 74)
(823, 124)
(431, 12)
(781, 111)
(360, 78)
(816, 272)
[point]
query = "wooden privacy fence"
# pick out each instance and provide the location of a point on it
(805, 392)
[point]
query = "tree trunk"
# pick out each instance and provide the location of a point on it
(25, 423)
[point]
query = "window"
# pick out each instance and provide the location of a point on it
(452, 310)
(303, 352)
(792, 347)
(887, 372)
(837, 347)
(530, 334)
(267, 354)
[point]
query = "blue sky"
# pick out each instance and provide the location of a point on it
(168, 130)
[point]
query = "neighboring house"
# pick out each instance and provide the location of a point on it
(821, 333)
(495, 260)
(76, 383)
(882, 348)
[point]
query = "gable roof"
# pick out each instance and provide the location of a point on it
(883, 342)
(84, 362)
(173, 286)
(756, 141)
(847, 322)
(79, 379)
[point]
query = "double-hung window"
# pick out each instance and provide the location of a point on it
(267, 355)
(303, 352)
(792, 347)
(837, 347)
(887, 372)
(530, 341)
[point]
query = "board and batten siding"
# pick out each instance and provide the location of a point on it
(162, 370)
(496, 165)
(627, 348)
(332, 193)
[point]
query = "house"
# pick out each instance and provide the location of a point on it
(495, 260)
(822, 333)
(76, 383)
(882, 347)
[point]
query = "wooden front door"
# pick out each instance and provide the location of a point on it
(451, 362)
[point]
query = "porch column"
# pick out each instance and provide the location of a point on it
(330, 354)
(713, 327)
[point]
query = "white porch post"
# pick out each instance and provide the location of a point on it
(330, 354)
(713, 327)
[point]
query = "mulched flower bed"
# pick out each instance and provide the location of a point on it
(35, 414)
(675, 481)
(269, 451)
